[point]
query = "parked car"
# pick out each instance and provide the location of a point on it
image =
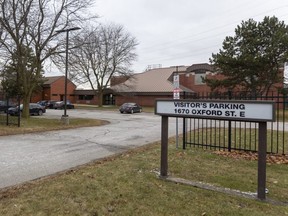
(43, 103)
(130, 108)
(50, 104)
(34, 109)
(60, 105)
(4, 106)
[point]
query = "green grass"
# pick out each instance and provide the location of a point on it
(240, 138)
(34, 124)
(128, 184)
(282, 115)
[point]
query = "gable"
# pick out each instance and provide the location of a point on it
(154, 80)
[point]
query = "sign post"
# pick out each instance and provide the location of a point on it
(176, 96)
(262, 147)
(176, 81)
(176, 91)
(249, 111)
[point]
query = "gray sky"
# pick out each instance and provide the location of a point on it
(183, 32)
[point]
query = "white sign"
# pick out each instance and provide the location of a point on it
(176, 94)
(286, 75)
(216, 109)
(176, 81)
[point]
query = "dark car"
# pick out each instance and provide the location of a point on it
(4, 105)
(34, 109)
(43, 102)
(50, 104)
(130, 108)
(60, 105)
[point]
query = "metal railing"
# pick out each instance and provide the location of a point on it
(235, 135)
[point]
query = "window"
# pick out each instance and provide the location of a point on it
(198, 78)
(86, 97)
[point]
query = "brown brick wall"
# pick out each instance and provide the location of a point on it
(46, 94)
(56, 91)
(142, 100)
(90, 102)
(188, 81)
(36, 98)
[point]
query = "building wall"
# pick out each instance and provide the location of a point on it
(56, 91)
(188, 80)
(94, 101)
(46, 94)
(142, 100)
(36, 97)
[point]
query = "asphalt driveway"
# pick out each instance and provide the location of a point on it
(30, 156)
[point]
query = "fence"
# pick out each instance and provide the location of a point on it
(5, 118)
(235, 135)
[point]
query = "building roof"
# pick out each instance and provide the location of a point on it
(90, 91)
(202, 66)
(50, 80)
(154, 80)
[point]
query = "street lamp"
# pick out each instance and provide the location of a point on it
(65, 117)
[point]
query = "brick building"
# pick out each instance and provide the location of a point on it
(145, 87)
(54, 89)
(142, 88)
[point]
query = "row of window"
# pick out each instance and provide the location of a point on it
(80, 97)
(85, 97)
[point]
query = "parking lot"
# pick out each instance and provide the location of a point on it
(30, 156)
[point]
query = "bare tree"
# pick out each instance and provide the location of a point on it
(101, 53)
(33, 24)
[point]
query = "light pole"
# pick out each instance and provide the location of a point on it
(65, 117)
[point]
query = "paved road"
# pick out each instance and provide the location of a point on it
(30, 156)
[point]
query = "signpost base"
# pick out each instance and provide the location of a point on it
(65, 119)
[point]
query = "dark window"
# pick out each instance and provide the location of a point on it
(86, 97)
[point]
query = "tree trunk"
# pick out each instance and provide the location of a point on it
(100, 98)
(25, 111)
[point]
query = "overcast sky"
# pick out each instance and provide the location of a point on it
(183, 32)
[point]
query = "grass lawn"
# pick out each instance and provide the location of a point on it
(128, 184)
(35, 124)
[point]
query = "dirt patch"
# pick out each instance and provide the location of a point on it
(270, 159)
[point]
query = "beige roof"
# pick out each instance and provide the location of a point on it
(50, 80)
(154, 80)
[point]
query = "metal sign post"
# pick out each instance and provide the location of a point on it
(176, 96)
